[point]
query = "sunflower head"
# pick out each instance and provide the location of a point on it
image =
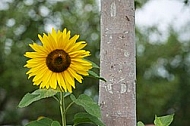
(58, 61)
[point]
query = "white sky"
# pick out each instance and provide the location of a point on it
(164, 13)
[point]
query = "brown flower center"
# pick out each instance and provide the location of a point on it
(58, 61)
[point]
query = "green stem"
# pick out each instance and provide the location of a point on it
(68, 106)
(62, 109)
(56, 98)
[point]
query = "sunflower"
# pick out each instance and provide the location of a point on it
(58, 61)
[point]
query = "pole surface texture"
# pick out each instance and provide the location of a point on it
(118, 63)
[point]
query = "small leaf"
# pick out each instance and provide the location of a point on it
(164, 120)
(35, 96)
(66, 94)
(41, 122)
(82, 117)
(55, 123)
(95, 65)
(140, 124)
(93, 74)
(88, 104)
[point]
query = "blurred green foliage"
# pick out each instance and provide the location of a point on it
(163, 71)
(163, 68)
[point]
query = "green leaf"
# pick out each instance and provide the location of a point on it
(55, 123)
(164, 120)
(140, 124)
(95, 65)
(82, 117)
(88, 104)
(93, 74)
(41, 122)
(66, 94)
(35, 96)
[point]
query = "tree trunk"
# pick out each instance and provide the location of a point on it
(118, 63)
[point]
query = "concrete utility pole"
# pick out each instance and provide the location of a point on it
(118, 63)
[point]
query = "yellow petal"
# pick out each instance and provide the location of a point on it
(79, 54)
(35, 55)
(61, 81)
(53, 81)
(46, 79)
(75, 75)
(70, 43)
(69, 79)
(77, 46)
(38, 48)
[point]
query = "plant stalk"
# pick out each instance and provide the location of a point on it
(62, 109)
